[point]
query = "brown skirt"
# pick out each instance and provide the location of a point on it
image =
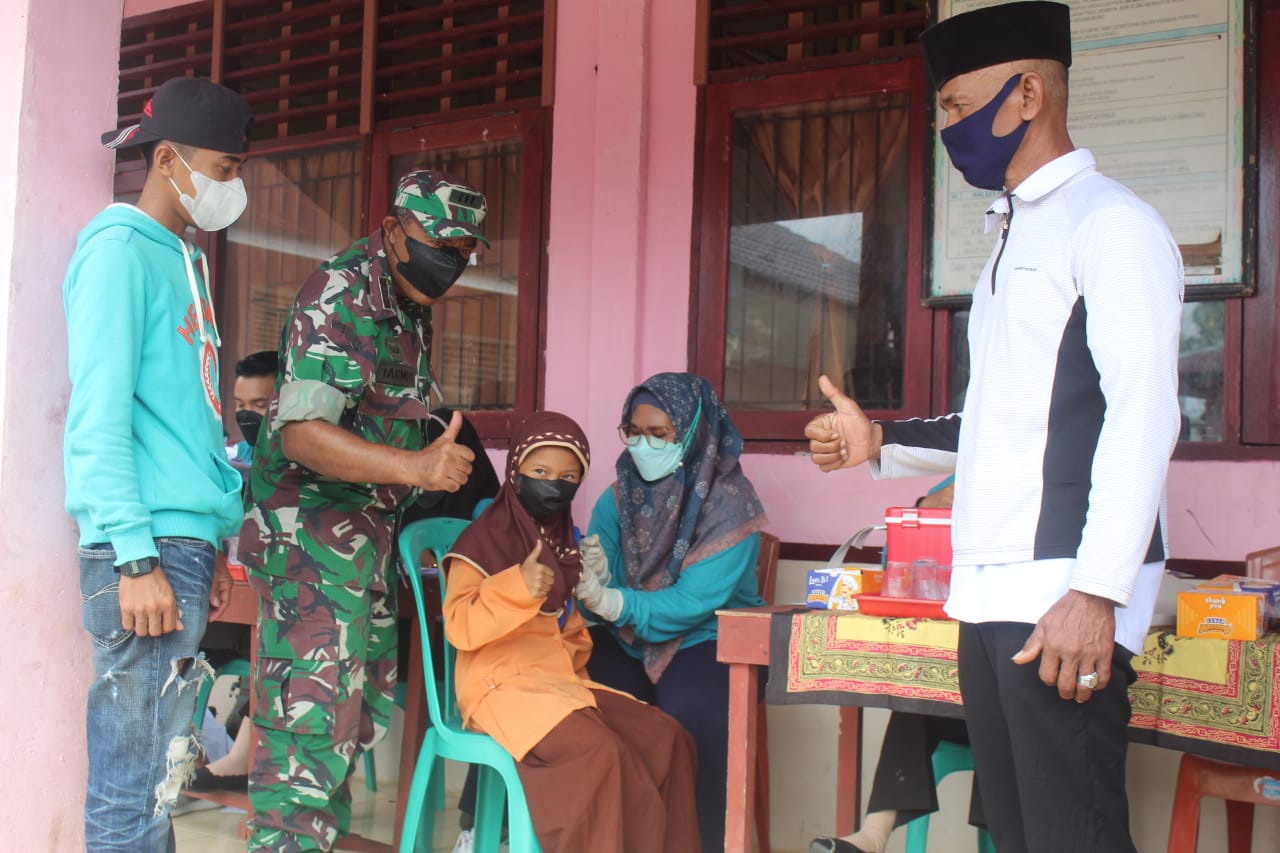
(610, 779)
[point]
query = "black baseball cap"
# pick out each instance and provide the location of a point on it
(190, 111)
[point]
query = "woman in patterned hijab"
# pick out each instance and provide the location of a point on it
(673, 540)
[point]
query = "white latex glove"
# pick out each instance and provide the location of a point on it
(594, 560)
(603, 601)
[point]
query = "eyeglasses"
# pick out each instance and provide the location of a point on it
(655, 437)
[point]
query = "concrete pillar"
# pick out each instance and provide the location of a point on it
(58, 71)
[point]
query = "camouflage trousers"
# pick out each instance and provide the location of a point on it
(324, 689)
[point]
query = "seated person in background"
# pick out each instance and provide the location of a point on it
(481, 485)
(674, 539)
(255, 383)
(904, 788)
(601, 771)
(224, 641)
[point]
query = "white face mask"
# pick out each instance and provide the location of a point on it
(217, 204)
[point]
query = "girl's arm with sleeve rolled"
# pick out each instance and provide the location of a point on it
(479, 609)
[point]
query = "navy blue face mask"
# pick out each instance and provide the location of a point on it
(981, 156)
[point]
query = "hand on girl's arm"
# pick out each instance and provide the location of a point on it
(603, 601)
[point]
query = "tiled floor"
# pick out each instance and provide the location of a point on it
(373, 815)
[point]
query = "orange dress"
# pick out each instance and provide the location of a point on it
(518, 674)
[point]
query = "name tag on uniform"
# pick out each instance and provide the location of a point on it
(391, 373)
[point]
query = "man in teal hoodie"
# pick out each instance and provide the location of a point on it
(147, 478)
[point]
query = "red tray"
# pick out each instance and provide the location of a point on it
(874, 604)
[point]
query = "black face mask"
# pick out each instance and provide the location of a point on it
(250, 423)
(545, 498)
(431, 271)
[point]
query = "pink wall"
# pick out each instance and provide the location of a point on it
(57, 93)
(621, 174)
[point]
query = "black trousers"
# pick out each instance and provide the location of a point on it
(1051, 771)
(904, 774)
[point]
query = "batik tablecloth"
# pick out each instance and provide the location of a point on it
(1206, 696)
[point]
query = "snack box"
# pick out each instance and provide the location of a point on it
(1223, 613)
(834, 587)
(1268, 588)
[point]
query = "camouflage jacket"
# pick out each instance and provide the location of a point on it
(354, 353)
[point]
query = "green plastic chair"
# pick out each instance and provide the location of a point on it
(446, 739)
(948, 758)
(235, 666)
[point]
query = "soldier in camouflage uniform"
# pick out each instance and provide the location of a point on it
(344, 452)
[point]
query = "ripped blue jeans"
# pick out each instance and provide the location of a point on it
(140, 736)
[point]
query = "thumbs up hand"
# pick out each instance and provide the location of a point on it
(444, 465)
(537, 577)
(843, 438)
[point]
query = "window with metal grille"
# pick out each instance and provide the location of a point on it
(741, 39)
(810, 240)
(299, 63)
(304, 207)
(313, 67)
(459, 58)
(475, 321)
(338, 85)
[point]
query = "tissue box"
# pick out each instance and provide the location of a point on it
(1223, 613)
(834, 587)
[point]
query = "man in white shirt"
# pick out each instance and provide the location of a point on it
(1062, 449)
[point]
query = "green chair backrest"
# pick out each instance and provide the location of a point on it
(436, 535)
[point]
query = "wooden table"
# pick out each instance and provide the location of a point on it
(1209, 697)
(744, 644)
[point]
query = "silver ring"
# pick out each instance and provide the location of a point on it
(1089, 680)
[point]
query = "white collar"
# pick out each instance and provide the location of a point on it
(1043, 181)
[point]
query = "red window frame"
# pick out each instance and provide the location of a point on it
(781, 430)
(532, 128)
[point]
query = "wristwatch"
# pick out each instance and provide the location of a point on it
(138, 568)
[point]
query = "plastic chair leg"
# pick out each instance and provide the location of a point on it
(491, 797)
(762, 780)
(202, 700)
(918, 835)
(370, 772)
(947, 758)
(419, 826)
(521, 836)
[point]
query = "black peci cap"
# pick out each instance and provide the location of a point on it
(190, 111)
(996, 34)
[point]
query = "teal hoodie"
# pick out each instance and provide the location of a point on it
(143, 450)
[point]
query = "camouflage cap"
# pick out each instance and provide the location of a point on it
(444, 206)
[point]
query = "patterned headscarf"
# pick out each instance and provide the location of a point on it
(505, 533)
(706, 506)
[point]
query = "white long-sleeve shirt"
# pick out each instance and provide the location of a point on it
(1071, 412)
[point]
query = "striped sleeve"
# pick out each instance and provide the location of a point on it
(917, 447)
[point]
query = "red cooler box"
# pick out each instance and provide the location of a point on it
(916, 534)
